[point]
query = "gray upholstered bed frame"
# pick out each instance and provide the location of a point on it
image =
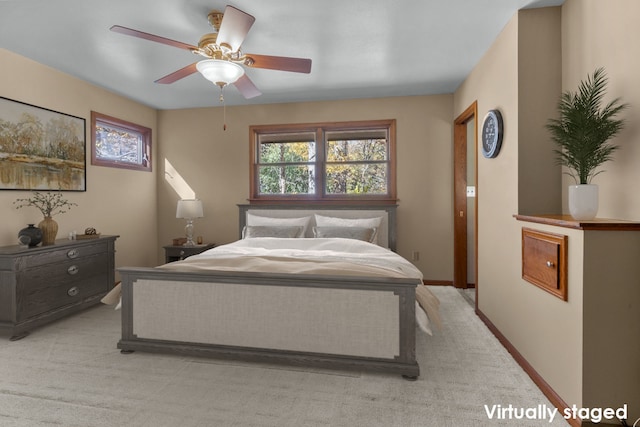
(349, 322)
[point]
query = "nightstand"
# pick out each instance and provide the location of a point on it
(176, 253)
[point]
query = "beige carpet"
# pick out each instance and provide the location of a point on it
(70, 374)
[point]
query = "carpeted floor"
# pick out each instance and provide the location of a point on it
(70, 373)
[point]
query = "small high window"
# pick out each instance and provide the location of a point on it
(119, 144)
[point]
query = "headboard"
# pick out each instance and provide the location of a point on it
(386, 232)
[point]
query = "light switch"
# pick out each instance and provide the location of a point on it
(471, 191)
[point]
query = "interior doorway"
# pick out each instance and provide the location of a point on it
(465, 191)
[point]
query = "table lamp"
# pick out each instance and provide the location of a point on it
(189, 209)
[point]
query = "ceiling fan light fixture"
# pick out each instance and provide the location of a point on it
(219, 71)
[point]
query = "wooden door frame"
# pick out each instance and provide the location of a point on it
(460, 196)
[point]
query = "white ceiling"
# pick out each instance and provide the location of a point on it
(359, 48)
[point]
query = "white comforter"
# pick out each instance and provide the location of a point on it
(303, 256)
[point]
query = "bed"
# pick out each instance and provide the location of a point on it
(271, 304)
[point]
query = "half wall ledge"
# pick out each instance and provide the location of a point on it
(567, 221)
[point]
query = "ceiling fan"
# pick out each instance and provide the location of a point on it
(224, 61)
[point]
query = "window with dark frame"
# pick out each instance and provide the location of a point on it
(324, 162)
(119, 144)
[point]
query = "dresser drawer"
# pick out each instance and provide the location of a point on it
(544, 261)
(49, 287)
(59, 255)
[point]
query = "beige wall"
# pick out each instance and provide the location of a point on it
(117, 201)
(215, 164)
(539, 83)
(612, 320)
(600, 33)
(528, 317)
(493, 83)
(518, 77)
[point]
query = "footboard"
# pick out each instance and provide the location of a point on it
(339, 321)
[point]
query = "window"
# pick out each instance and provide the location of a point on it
(119, 144)
(333, 161)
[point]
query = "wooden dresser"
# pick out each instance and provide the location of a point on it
(44, 283)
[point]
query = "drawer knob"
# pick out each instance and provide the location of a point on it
(550, 264)
(73, 270)
(72, 292)
(73, 253)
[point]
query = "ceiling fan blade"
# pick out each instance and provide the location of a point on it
(177, 75)
(234, 27)
(246, 87)
(283, 63)
(151, 37)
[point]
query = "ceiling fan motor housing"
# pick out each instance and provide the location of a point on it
(208, 46)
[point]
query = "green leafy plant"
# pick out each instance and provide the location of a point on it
(584, 128)
(49, 204)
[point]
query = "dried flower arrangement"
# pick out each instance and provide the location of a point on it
(50, 203)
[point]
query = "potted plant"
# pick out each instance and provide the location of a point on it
(49, 204)
(582, 134)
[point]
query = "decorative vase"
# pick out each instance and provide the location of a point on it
(31, 235)
(49, 230)
(583, 201)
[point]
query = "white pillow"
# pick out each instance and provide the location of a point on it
(253, 231)
(281, 222)
(359, 233)
(330, 221)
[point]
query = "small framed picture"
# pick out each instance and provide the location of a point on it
(119, 144)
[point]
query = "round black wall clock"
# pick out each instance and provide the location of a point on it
(492, 134)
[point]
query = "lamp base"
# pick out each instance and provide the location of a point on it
(188, 229)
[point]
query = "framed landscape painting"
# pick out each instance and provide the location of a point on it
(41, 149)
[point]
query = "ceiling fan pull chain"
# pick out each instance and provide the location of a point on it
(224, 109)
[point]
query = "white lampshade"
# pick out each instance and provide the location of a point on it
(189, 208)
(219, 71)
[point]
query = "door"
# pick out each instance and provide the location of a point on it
(465, 198)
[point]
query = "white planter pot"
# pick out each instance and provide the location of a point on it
(583, 201)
